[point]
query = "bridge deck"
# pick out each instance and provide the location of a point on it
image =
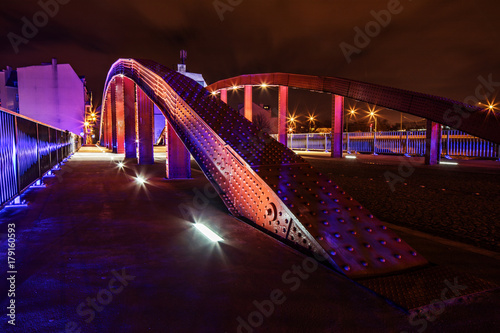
(92, 219)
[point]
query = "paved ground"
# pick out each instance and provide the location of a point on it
(94, 235)
(459, 202)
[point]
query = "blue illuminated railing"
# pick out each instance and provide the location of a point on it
(453, 143)
(28, 150)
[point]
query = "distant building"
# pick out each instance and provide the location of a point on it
(9, 97)
(159, 118)
(51, 93)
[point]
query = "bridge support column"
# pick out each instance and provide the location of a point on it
(248, 103)
(432, 143)
(337, 125)
(117, 100)
(109, 121)
(104, 127)
(178, 163)
(145, 128)
(282, 111)
(223, 95)
(129, 88)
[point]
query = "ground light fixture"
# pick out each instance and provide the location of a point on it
(208, 233)
(140, 180)
(449, 163)
(350, 156)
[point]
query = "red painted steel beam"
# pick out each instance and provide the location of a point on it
(178, 161)
(473, 120)
(282, 113)
(265, 183)
(145, 128)
(130, 118)
(337, 125)
(432, 143)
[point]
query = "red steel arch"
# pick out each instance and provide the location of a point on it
(262, 181)
(473, 120)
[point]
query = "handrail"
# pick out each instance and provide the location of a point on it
(28, 150)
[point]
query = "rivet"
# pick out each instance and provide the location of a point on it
(381, 259)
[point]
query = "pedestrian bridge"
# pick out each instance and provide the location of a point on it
(258, 178)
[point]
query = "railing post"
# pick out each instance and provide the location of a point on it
(16, 158)
(406, 144)
(375, 143)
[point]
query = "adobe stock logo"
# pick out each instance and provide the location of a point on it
(40, 19)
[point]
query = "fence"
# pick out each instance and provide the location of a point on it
(453, 143)
(28, 150)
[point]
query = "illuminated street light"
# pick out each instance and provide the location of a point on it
(208, 233)
(373, 114)
(312, 119)
(140, 180)
(352, 112)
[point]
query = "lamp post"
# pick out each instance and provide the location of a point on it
(311, 119)
(352, 112)
(373, 115)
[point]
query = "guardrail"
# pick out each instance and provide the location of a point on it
(453, 143)
(28, 150)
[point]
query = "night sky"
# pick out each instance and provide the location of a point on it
(432, 46)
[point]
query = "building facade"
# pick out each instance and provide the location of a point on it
(51, 93)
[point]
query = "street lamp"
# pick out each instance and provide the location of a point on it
(352, 112)
(311, 118)
(373, 115)
(292, 119)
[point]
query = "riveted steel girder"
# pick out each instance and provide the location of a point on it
(261, 180)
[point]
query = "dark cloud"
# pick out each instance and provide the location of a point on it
(433, 46)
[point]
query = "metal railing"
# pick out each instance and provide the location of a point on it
(453, 143)
(28, 150)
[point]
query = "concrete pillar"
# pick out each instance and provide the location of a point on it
(223, 95)
(145, 128)
(337, 125)
(282, 111)
(432, 143)
(178, 162)
(117, 99)
(248, 103)
(129, 88)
